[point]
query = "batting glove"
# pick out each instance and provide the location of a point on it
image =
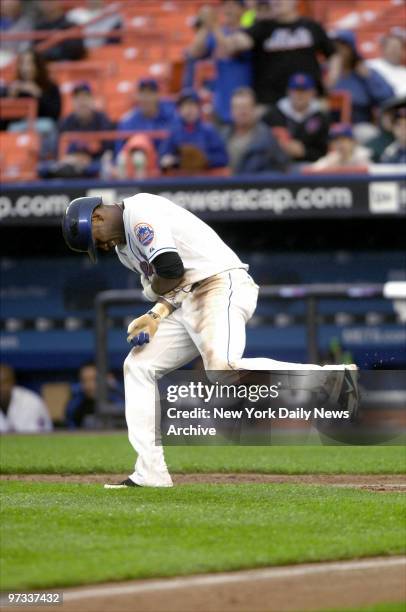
(143, 329)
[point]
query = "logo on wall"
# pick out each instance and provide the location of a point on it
(144, 233)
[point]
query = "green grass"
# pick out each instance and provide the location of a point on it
(382, 607)
(58, 535)
(87, 453)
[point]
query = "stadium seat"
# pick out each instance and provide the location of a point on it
(340, 106)
(56, 396)
(19, 108)
(18, 156)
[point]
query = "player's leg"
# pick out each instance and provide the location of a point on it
(215, 316)
(170, 348)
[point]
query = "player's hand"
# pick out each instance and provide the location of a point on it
(143, 329)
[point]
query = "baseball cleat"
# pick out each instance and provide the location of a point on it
(349, 396)
(125, 484)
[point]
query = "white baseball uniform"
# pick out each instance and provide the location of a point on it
(210, 322)
(26, 413)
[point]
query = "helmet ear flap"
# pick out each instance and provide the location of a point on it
(77, 225)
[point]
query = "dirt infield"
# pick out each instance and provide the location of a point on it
(317, 586)
(372, 482)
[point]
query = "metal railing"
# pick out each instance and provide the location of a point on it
(311, 294)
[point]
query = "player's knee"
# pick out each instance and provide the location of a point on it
(136, 365)
(216, 363)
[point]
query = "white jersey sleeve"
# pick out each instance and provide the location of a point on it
(149, 229)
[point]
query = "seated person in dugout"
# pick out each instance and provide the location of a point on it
(81, 408)
(21, 410)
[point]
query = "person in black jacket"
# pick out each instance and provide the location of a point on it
(54, 19)
(301, 114)
(33, 81)
(86, 118)
(279, 46)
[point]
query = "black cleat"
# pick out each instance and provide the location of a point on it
(125, 484)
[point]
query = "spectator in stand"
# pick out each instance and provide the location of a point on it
(384, 138)
(250, 144)
(54, 19)
(150, 114)
(345, 151)
(280, 45)
(192, 145)
(138, 159)
(391, 65)
(80, 410)
(21, 410)
(367, 88)
(301, 114)
(85, 117)
(33, 81)
(80, 161)
(13, 20)
(233, 71)
(396, 152)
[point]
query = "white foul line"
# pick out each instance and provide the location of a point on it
(268, 573)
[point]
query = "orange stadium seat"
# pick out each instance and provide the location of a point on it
(340, 102)
(19, 108)
(18, 156)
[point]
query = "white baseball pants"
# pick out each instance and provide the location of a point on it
(211, 322)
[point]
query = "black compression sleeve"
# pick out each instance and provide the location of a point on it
(169, 265)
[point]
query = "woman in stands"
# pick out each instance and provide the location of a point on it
(367, 88)
(33, 81)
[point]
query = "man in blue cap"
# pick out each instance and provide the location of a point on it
(345, 151)
(84, 116)
(301, 114)
(193, 144)
(150, 114)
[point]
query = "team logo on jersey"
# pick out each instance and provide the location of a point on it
(144, 233)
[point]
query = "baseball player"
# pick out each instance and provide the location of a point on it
(202, 298)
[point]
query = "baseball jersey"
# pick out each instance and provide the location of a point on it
(155, 225)
(26, 413)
